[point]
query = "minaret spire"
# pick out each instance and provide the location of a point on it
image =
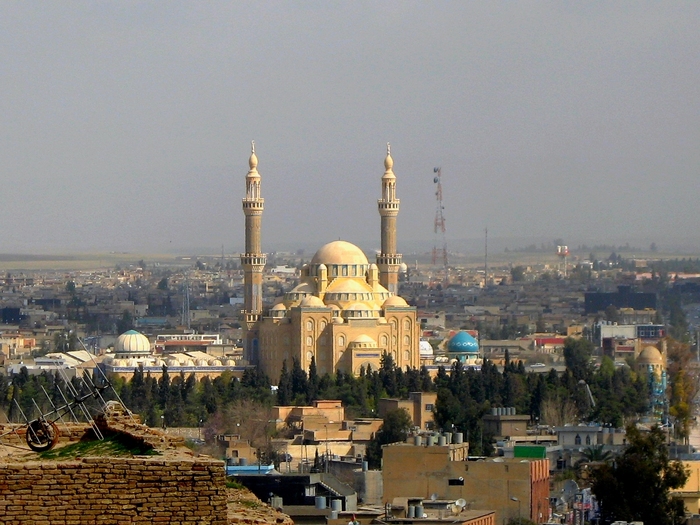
(389, 260)
(252, 260)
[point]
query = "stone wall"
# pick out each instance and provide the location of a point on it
(101, 490)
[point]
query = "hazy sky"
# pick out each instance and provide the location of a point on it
(127, 125)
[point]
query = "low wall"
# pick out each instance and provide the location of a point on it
(101, 490)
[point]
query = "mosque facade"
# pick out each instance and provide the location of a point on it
(344, 314)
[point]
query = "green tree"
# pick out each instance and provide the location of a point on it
(577, 355)
(637, 486)
(163, 284)
(395, 427)
(517, 273)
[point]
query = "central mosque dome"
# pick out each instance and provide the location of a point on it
(339, 252)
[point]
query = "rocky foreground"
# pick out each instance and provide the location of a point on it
(245, 507)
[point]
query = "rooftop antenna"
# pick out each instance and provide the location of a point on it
(486, 256)
(186, 304)
(439, 254)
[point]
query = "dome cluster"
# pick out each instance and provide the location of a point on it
(339, 276)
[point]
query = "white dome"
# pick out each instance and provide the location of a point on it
(133, 343)
(425, 349)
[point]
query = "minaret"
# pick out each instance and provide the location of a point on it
(388, 260)
(252, 260)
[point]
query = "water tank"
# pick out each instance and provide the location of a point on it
(442, 441)
(365, 466)
(494, 411)
(511, 411)
(411, 512)
(459, 438)
(242, 462)
(276, 502)
(419, 511)
(336, 505)
(448, 437)
(320, 502)
(334, 514)
(429, 440)
(417, 441)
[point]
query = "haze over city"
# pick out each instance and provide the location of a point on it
(127, 125)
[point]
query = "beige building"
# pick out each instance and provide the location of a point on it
(690, 492)
(419, 405)
(344, 314)
(512, 487)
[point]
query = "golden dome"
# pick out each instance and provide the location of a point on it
(311, 301)
(650, 356)
(395, 300)
(339, 252)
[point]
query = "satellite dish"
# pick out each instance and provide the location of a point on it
(461, 502)
(433, 496)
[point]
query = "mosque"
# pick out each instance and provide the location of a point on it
(344, 314)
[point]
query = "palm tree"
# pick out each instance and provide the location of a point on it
(595, 454)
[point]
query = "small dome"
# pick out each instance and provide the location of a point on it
(279, 306)
(132, 342)
(253, 160)
(425, 349)
(230, 362)
(403, 267)
(650, 356)
(388, 162)
(311, 301)
(364, 340)
(339, 252)
(202, 362)
(395, 300)
(462, 343)
(216, 362)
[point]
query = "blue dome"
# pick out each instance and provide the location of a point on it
(463, 343)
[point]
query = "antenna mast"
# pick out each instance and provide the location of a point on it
(486, 256)
(439, 254)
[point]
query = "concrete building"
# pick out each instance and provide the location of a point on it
(511, 487)
(419, 405)
(505, 423)
(344, 314)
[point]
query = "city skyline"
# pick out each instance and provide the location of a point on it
(128, 126)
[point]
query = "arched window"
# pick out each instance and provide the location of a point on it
(384, 340)
(406, 355)
(406, 324)
(406, 340)
(309, 325)
(341, 341)
(577, 440)
(588, 440)
(309, 340)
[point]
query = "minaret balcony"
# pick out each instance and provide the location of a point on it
(253, 259)
(253, 204)
(388, 205)
(390, 260)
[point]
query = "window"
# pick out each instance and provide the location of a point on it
(309, 325)
(341, 340)
(310, 490)
(588, 440)
(429, 407)
(309, 340)
(577, 440)
(456, 481)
